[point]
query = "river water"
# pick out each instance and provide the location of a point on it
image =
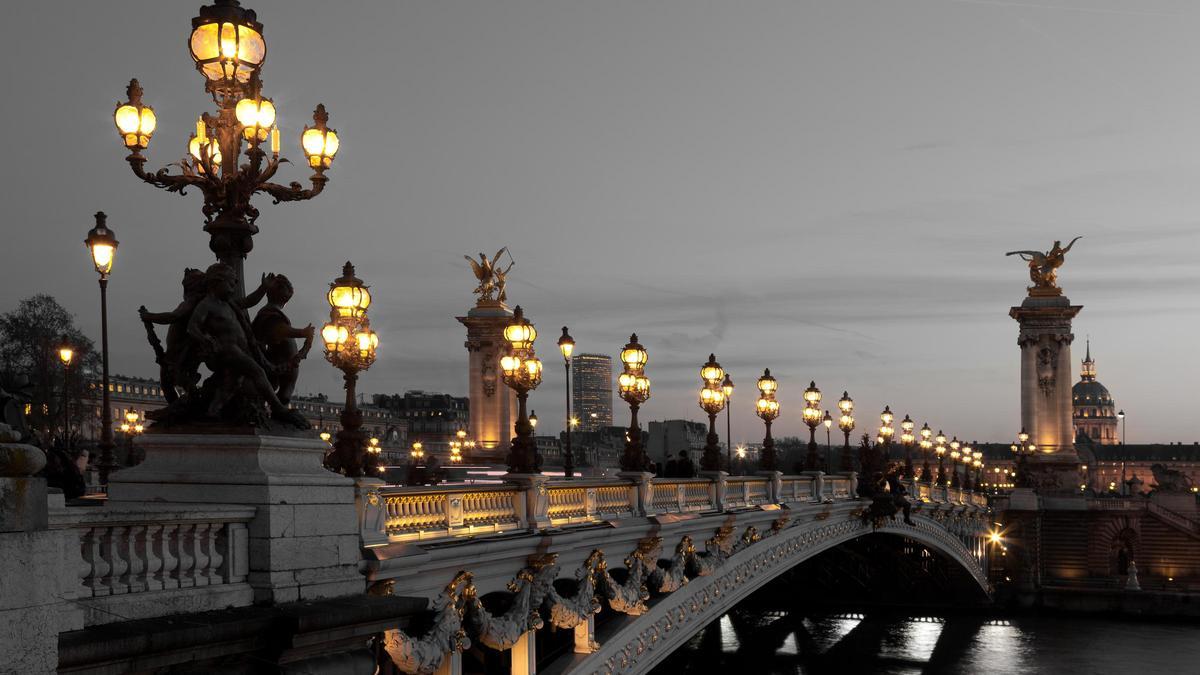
(746, 643)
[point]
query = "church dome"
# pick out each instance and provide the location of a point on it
(1094, 411)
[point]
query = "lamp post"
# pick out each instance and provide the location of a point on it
(102, 244)
(634, 388)
(940, 450)
(522, 373)
(350, 345)
(727, 389)
(954, 456)
(846, 424)
(712, 401)
(827, 420)
(886, 431)
(812, 417)
(968, 458)
(926, 446)
(228, 49)
(907, 439)
(566, 345)
(1121, 416)
(66, 354)
(767, 408)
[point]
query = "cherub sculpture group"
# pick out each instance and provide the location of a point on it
(254, 364)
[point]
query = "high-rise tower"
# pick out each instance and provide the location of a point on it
(591, 376)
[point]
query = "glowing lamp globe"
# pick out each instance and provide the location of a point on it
(227, 43)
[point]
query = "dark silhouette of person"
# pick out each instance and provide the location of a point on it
(899, 497)
(672, 469)
(685, 466)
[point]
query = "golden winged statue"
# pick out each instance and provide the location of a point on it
(490, 276)
(1043, 267)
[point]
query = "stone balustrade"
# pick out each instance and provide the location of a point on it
(144, 561)
(423, 512)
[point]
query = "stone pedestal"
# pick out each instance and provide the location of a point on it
(645, 490)
(304, 539)
(537, 498)
(372, 516)
(39, 568)
(493, 405)
(719, 487)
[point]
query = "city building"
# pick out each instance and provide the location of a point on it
(1093, 410)
(432, 418)
(665, 439)
(325, 417)
(592, 396)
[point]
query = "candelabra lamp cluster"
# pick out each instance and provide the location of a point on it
(955, 455)
(1023, 449)
(350, 345)
(886, 431)
(634, 388)
(228, 49)
(812, 416)
(939, 449)
(233, 155)
(712, 401)
(908, 439)
(846, 424)
(522, 373)
(926, 444)
(767, 408)
(417, 453)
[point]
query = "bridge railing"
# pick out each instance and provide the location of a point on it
(424, 512)
(146, 561)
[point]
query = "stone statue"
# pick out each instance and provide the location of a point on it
(179, 363)
(1170, 480)
(1131, 583)
(276, 336)
(221, 330)
(491, 277)
(1043, 267)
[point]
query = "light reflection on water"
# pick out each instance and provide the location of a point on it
(894, 645)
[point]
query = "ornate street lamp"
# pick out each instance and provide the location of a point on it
(954, 456)
(533, 420)
(907, 439)
(827, 420)
(940, 450)
(767, 408)
(812, 417)
(66, 354)
(417, 453)
(634, 388)
(886, 431)
(846, 424)
(350, 345)
(522, 373)
(727, 389)
(228, 49)
(712, 401)
(967, 460)
(566, 345)
(1121, 416)
(131, 427)
(102, 244)
(926, 446)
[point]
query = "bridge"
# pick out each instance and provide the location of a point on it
(611, 575)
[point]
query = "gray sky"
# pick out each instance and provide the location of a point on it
(823, 188)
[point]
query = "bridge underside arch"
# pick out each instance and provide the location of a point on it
(641, 642)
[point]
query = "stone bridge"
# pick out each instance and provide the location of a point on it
(667, 555)
(225, 553)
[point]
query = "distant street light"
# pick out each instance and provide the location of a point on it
(846, 424)
(66, 354)
(566, 345)
(907, 439)
(767, 408)
(522, 373)
(102, 244)
(827, 420)
(712, 401)
(940, 450)
(926, 446)
(811, 414)
(634, 388)
(727, 389)
(886, 431)
(1121, 416)
(350, 345)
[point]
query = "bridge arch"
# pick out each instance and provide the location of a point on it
(643, 641)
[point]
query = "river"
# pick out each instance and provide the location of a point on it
(754, 642)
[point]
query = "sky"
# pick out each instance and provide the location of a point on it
(826, 188)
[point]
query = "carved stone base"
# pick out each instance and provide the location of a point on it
(537, 498)
(1052, 475)
(304, 538)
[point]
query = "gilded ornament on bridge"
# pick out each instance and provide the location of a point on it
(424, 655)
(1043, 268)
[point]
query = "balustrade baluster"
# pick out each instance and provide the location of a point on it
(200, 550)
(116, 550)
(184, 543)
(92, 546)
(135, 549)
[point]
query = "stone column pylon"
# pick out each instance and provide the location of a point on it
(493, 404)
(1045, 340)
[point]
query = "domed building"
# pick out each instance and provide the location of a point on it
(1094, 412)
